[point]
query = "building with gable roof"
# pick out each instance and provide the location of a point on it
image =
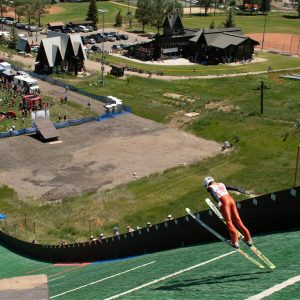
(207, 46)
(23, 45)
(60, 52)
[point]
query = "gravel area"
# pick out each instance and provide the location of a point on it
(96, 156)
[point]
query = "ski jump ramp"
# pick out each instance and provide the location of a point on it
(46, 129)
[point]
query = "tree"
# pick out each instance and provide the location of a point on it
(40, 8)
(28, 9)
(265, 6)
(158, 14)
(12, 43)
(119, 19)
(297, 4)
(3, 7)
(230, 19)
(174, 7)
(212, 25)
(205, 4)
(92, 13)
(143, 12)
(18, 9)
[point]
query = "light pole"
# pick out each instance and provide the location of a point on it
(263, 37)
(103, 11)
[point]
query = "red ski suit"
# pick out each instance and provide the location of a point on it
(228, 210)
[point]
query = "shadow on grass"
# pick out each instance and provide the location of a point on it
(291, 17)
(178, 285)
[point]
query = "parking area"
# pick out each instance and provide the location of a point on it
(112, 38)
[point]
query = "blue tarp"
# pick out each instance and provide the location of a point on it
(3, 216)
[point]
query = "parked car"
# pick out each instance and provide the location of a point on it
(90, 28)
(116, 47)
(96, 37)
(124, 36)
(33, 28)
(9, 22)
(101, 37)
(124, 46)
(20, 25)
(96, 48)
(69, 30)
(35, 48)
(110, 38)
(91, 41)
(82, 28)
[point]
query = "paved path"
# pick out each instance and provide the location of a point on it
(95, 66)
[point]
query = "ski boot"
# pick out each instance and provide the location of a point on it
(234, 245)
(249, 242)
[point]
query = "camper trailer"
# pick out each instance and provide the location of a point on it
(29, 84)
(4, 66)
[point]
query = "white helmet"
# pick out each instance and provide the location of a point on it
(207, 181)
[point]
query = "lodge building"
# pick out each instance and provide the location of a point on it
(206, 46)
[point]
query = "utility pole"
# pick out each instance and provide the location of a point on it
(103, 11)
(262, 87)
(264, 31)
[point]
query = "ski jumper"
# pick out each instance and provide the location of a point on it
(228, 209)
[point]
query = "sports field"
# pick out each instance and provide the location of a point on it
(207, 271)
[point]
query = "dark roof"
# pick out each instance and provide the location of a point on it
(82, 22)
(222, 37)
(172, 19)
(23, 45)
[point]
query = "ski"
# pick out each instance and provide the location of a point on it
(244, 254)
(253, 248)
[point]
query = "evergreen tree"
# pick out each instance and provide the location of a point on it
(12, 43)
(119, 19)
(230, 19)
(265, 6)
(92, 14)
(212, 25)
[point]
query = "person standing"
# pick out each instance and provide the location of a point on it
(227, 205)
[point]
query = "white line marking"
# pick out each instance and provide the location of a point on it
(103, 279)
(56, 278)
(275, 288)
(168, 276)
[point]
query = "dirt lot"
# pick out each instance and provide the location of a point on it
(96, 156)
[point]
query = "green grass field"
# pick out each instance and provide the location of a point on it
(263, 159)
(276, 22)
(207, 271)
